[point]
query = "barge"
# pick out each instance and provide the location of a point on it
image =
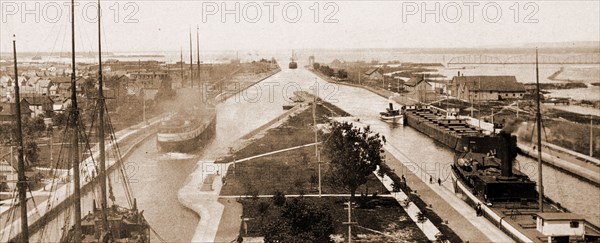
(449, 129)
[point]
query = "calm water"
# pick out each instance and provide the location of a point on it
(435, 159)
(156, 177)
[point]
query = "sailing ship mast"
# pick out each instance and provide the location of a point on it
(75, 140)
(538, 124)
(22, 181)
(198, 50)
(101, 136)
(181, 64)
(191, 62)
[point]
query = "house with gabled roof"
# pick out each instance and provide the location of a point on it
(486, 88)
(39, 104)
(374, 74)
(8, 114)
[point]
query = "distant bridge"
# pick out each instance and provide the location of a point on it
(592, 58)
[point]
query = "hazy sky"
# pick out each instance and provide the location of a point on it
(164, 25)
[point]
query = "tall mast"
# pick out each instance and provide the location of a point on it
(74, 127)
(538, 124)
(181, 64)
(101, 136)
(191, 62)
(22, 184)
(198, 50)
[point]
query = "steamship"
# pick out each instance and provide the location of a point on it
(293, 64)
(484, 174)
(392, 115)
(187, 130)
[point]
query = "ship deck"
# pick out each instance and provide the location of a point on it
(457, 126)
(522, 217)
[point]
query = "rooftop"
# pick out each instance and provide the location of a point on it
(560, 216)
(490, 83)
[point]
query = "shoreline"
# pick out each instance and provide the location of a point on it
(200, 192)
(131, 132)
(592, 177)
(204, 201)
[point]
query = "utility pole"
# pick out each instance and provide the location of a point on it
(316, 133)
(472, 106)
(517, 108)
(538, 120)
(349, 223)
(493, 119)
(591, 135)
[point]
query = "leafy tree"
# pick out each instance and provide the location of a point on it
(60, 119)
(33, 127)
(6, 133)
(342, 73)
(263, 207)
(32, 151)
(301, 221)
(314, 179)
(355, 153)
(279, 198)
(4, 187)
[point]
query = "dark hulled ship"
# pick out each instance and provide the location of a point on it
(446, 128)
(187, 130)
(491, 175)
(293, 64)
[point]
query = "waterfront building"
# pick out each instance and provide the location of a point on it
(374, 74)
(486, 88)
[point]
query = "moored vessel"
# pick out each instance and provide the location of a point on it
(508, 197)
(448, 129)
(392, 115)
(107, 223)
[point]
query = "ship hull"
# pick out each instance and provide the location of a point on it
(461, 187)
(455, 134)
(431, 130)
(187, 142)
(392, 119)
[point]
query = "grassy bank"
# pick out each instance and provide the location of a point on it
(383, 215)
(380, 219)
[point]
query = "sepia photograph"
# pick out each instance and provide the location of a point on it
(137, 121)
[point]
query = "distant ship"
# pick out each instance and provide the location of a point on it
(392, 115)
(293, 63)
(187, 130)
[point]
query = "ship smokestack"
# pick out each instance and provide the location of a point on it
(508, 152)
(391, 106)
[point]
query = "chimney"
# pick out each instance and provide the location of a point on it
(391, 106)
(508, 152)
(458, 73)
